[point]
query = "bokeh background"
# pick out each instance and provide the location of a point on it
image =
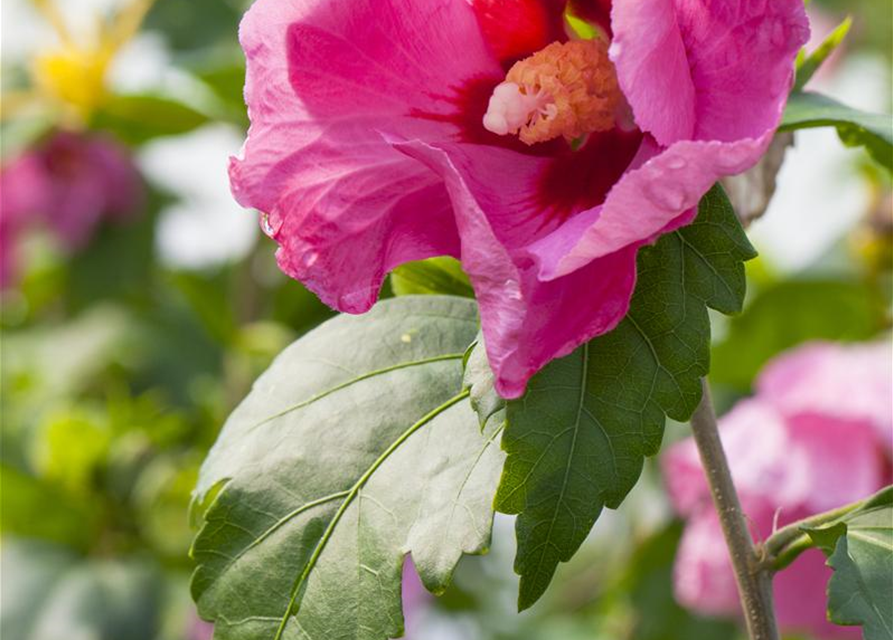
(139, 302)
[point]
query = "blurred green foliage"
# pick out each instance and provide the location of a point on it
(789, 313)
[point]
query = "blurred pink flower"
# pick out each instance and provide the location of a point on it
(817, 435)
(385, 131)
(199, 629)
(415, 598)
(22, 191)
(68, 182)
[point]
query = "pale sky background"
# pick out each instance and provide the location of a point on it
(820, 192)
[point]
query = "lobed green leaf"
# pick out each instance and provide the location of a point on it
(576, 442)
(859, 547)
(357, 447)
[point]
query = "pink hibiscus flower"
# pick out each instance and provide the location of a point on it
(386, 131)
(22, 190)
(69, 182)
(816, 436)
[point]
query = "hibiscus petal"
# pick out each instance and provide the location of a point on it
(715, 70)
(325, 81)
(650, 199)
(786, 467)
(849, 382)
(844, 459)
(763, 462)
(526, 322)
(709, 82)
(653, 68)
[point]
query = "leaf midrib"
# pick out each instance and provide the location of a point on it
(580, 406)
(352, 494)
(282, 521)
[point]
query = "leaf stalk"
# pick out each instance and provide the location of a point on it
(786, 544)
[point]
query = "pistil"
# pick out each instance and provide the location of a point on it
(568, 89)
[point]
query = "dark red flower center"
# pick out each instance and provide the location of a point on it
(516, 28)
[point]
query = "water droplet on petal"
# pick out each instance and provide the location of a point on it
(310, 258)
(513, 290)
(357, 301)
(736, 158)
(675, 163)
(666, 195)
(270, 224)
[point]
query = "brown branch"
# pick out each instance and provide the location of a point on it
(754, 583)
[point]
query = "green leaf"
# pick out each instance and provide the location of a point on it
(481, 384)
(356, 447)
(807, 65)
(790, 313)
(856, 128)
(138, 118)
(577, 440)
(859, 547)
(433, 276)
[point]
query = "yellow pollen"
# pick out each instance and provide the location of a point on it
(566, 90)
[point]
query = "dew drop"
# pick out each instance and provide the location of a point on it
(667, 196)
(513, 289)
(675, 163)
(310, 258)
(735, 158)
(357, 301)
(270, 224)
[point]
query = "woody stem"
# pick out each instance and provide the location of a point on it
(754, 582)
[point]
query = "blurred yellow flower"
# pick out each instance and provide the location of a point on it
(71, 77)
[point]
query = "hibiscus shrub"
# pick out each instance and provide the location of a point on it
(559, 162)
